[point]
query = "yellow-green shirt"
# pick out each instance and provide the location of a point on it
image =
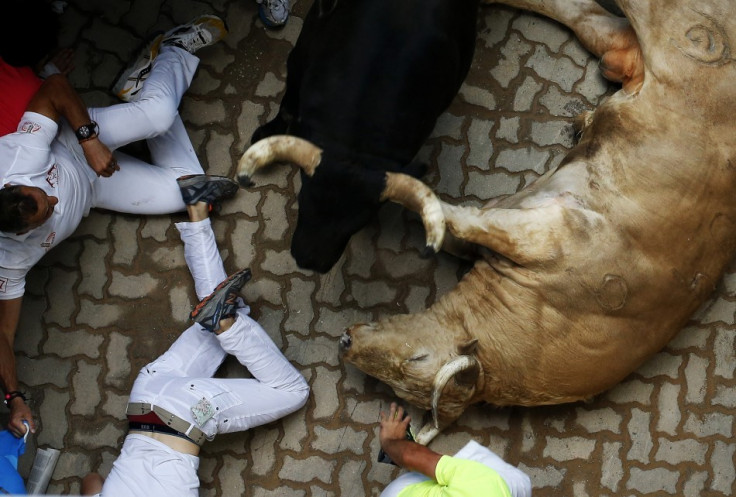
(460, 478)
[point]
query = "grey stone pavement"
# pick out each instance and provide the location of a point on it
(116, 294)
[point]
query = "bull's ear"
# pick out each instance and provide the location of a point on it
(468, 348)
(416, 169)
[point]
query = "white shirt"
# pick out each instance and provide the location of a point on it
(33, 157)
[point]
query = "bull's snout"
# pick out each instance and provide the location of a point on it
(345, 342)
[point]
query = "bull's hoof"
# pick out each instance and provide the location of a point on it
(428, 252)
(245, 181)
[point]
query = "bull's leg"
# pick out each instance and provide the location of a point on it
(525, 236)
(607, 36)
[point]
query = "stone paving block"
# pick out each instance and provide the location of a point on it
(85, 378)
(52, 414)
(723, 469)
(668, 412)
(653, 480)
(724, 351)
(548, 476)
(678, 451)
(631, 391)
(231, 476)
(612, 470)
(295, 431)
(350, 481)
(597, 420)
(709, 424)
(695, 374)
(526, 93)
(92, 264)
(661, 364)
(97, 315)
(131, 286)
(478, 96)
(118, 365)
(344, 439)
(541, 30)
(30, 335)
(262, 451)
(562, 70)
(640, 436)
(124, 231)
(61, 297)
(325, 392)
(305, 470)
(513, 53)
(725, 396)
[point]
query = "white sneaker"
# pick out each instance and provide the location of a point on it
(199, 33)
(130, 81)
(273, 13)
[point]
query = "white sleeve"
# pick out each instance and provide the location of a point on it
(12, 283)
(28, 150)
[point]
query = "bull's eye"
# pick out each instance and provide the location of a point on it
(418, 357)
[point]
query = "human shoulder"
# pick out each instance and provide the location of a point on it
(465, 477)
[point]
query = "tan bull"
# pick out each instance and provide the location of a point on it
(594, 267)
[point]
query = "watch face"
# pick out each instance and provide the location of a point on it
(83, 131)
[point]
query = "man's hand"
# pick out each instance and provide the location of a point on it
(393, 425)
(20, 412)
(99, 157)
(407, 454)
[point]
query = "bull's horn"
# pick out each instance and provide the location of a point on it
(446, 372)
(416, 196)
(283, 148)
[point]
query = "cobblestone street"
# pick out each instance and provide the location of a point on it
(118, 293)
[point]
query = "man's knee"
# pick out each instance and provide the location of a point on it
(160, 113)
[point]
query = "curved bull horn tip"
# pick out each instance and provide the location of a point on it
(418, 197)
(447, 372)
(426, 434)
(281, 148)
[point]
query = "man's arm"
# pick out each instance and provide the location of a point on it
(407, 454)
(56, 99)
(19, 411)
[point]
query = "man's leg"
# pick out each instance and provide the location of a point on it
(140, 188)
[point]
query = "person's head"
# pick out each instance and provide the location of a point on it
(30, 32)
(23, 208)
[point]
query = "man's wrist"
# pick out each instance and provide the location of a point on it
(87, 131)
(13, 397)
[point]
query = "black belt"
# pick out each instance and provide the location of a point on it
(133, 425)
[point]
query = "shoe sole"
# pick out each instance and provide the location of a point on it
(228, 282)
(151, 49)
(229, 190)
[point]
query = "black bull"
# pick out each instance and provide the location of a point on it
(366, 82)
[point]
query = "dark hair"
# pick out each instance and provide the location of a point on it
(15, 209)
(29, 33)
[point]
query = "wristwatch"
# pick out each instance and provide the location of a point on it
(86, 131)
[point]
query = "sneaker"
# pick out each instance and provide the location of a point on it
(221, 303)
(205, 188)
(199, 33)
(130, 82)
(273, 13)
